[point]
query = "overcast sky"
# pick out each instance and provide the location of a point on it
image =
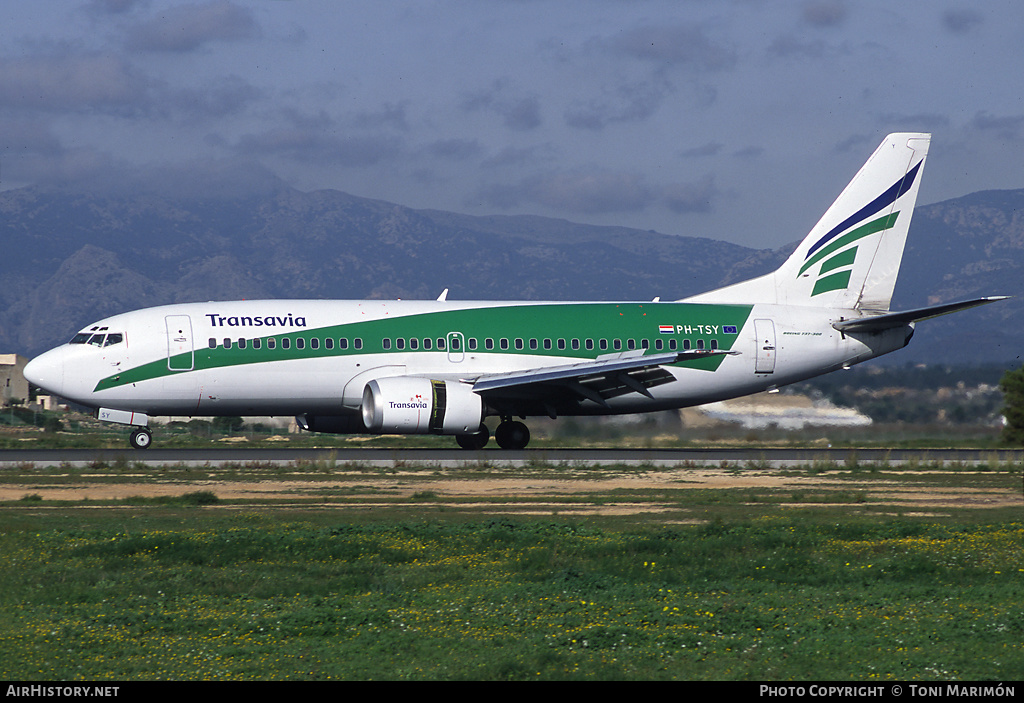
(738, 120)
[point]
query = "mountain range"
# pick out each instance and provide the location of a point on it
(72, 258)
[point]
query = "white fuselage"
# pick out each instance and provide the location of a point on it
(178, 359)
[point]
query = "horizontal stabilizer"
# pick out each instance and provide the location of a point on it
(899, 319)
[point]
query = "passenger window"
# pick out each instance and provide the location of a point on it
(472, 343)
(700, 343)
(271, 342)
(659, 344)
(414, 343)
(440, 344)
(241, 343)
(616, 344)
(589, 344)
(603, 345)
(488, 343)
(256, 343)
(343, 343)
(561, 344)
(386, 343)
(547, 343)
(300, 343)
(686, 345)
(357, 343)
(286, 343)
(519, 343)
(427, 343)
(314, 343)
(504, 343)
(630, 344)
(533, 343)
(714, 344)
(400, 343)
(575, 344)
(645, 343)
(227, 343)
(672, 345)
(213, 343)
(329, 343)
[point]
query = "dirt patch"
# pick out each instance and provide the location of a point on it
(438, 490)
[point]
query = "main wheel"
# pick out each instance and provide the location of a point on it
(512, 435)
(477, 440)
(141, 438)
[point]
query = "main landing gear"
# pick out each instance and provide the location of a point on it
(512, 434)
(509, 435)
(141, 438)
(477, 440)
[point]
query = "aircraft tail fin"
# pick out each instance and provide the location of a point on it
(851, 257)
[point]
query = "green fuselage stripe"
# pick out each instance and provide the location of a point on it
(569, 321)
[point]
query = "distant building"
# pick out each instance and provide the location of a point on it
(13, 385)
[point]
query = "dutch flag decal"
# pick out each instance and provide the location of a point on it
(666, 329)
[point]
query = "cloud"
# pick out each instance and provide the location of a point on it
(626, 103)
(113, 7)
(672, 45)
(27, 136)
(99, 173)
(319, 139)
(692, 197)
(709, 149)
(749, 152)
(71, 82)
(790, 45)
(824, 13)
(1006, 128)
(391, 115)
(599, 192)
(225, 96)
(578, 191)
(188, 27)
(454, 149)
(961, 21)
(520, 113)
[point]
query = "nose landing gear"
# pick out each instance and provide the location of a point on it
(141, 438)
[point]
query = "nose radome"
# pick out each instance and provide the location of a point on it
(47, 371)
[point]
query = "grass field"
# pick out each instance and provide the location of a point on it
(823, 573)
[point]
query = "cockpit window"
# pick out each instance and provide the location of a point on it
(98, 339)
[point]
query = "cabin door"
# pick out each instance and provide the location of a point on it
(180, 354)
(764, 361)
(456, 347)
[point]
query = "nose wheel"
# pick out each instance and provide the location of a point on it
(140, 438)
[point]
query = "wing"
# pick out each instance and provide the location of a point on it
(605, 377)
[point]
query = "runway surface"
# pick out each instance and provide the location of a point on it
(453, 458)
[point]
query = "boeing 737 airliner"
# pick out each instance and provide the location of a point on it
(442, 367)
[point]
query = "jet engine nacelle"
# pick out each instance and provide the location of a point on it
(408, 405)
